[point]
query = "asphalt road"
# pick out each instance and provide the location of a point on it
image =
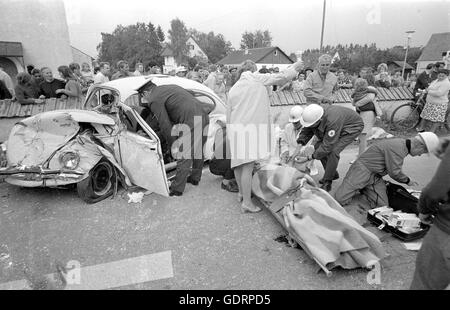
(212, 244)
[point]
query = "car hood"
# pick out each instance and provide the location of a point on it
(33, 140)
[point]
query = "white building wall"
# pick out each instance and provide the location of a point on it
(41, 27)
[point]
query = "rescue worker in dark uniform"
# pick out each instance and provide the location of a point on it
(335, 127)
(383, 158)
(173, 105)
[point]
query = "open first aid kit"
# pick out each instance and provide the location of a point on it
(404, 226)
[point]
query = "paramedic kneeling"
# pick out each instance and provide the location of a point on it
(335, 127)
(383, 158)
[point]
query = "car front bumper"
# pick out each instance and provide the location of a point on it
(37, 177)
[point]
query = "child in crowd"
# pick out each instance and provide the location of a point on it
(365, 102)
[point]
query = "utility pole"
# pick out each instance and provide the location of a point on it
(410, 32)
(323, 23)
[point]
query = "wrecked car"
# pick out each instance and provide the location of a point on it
(106, 142)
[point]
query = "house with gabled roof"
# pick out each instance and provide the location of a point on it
(270, 57)
(170, 62)
(436, 50)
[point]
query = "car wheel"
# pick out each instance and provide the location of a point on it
(99, 184)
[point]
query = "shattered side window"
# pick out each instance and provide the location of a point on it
(92, 101)
(108, 101)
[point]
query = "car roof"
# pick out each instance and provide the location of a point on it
(128, 86)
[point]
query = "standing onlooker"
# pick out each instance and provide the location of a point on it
(73, 87)
(424, 79)
(343, 80)
(211, 80)
(195, 74)
(6, 79)
(397, 80)
(364, 100)
(411, 81)
(234, 76)
(76, 70)
(103, 73)
(436, 105)
(4, 92)
(123, 72)
(36, 77)
(181, 71)
(321, 84)
(139, 69)
(86, 73)
(96, 66)
(26, 92)
(49, 86)
(248, 104)
(298, 85)
(264, 69)
(381, 69)
(383, 81)
(219, 87)
(433, 260)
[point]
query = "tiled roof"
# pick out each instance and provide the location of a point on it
(254, 54)
(438, 43)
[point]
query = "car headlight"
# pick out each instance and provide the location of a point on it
(69, 160)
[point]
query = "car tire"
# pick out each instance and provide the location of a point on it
(99, 184)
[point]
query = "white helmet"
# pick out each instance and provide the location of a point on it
(311, 114)
(431, 140)
(295, 114)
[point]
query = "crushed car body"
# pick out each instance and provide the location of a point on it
(106, 142)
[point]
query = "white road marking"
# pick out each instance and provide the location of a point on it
(115, 274)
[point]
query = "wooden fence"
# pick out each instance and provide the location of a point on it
(9, 108)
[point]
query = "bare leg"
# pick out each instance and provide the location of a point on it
(246, 182)
(238, 175)
(434, 126)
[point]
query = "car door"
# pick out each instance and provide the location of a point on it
(141, 157)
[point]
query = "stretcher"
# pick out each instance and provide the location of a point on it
(294, 240)
(314, 220)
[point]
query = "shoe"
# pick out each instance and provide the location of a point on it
(252, 209)
(231, 187)
(336, 176)
(175, 193)
(193, 182)
(420, 130)
(326, 186)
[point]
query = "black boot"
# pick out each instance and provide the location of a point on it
(193, 182)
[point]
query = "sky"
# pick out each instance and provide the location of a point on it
(294, 25)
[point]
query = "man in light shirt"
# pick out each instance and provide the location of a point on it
(102, 76)
(321, 83)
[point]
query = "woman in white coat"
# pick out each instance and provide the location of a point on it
(248, 123)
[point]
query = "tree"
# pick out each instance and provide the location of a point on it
(178, 36)
(215, 46)
(293, 57)
(133, 43)
(160, 34)
(256, 39)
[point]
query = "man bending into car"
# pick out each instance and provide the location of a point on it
(173, 105)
